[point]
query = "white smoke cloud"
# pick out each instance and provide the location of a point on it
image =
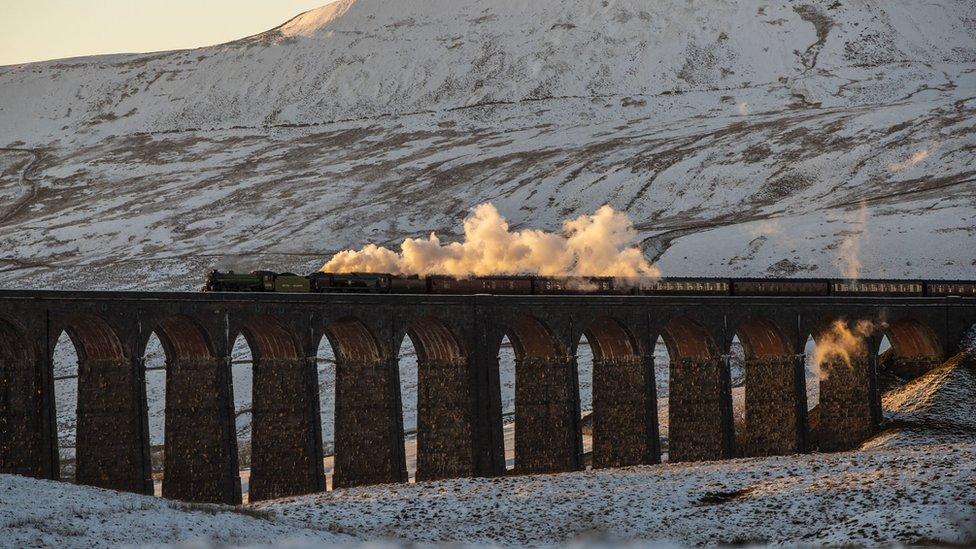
(842, 341)
(600, 244)
(848, 260)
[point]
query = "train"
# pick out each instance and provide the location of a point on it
(382, 283)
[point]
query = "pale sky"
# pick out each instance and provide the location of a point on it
(37, 30)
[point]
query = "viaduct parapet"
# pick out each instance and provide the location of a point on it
(457, 338)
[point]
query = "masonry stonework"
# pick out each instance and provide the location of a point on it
(444, 426)
(109, 429)
(699, 410)
(368, 443)
(622, 412)
(846, 409)
(772, 405)
(200, 462)
(285, 459)
(547, 415)
(24, 450)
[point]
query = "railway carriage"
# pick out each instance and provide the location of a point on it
(780, 287)
(947, 288)
(502, 285)
(683, 286)
(879, 288)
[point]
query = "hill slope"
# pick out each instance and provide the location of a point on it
(742, 137)
(919, 495)
(934, 408)
(360, 58)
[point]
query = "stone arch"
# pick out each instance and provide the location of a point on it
(915, 348)
(811, 376)
(434, 340)
(761, 338)
(184, 339)
(774, 397)
(504, 434)
(65, 364)
(445, 437)
(610, 338)
(110, 444)
(286, 455)
(269, 340)
(624, 402)
(93, 338)
(27, 426)
(686, 339)
(353, 341)
(547, 408)
(199, 416)
(408, 378)
(368, 422)
(532, 338)
(700, 406)
(242, 362)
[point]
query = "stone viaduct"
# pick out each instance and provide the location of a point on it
(459, 405)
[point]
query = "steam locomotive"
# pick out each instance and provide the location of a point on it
(379, 283)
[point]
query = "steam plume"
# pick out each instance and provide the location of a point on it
(589, 245)
(849, 258)
(843, 342)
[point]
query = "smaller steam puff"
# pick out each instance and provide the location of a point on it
(600, 244)
(842, 342)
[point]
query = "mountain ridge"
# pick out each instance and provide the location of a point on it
(367, 58)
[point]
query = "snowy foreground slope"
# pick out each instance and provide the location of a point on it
(52, 514)
(912, 494)
(742, 137)
(905, 486)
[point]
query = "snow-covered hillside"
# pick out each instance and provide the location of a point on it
(934, 408)
(743, 137)
(364, 58)
(917, 495)
(41, 513)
